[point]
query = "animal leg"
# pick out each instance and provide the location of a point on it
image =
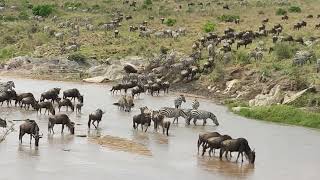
(62, 128)
(238, 156)
(30, 138)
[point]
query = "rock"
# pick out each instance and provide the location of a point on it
(238, 108)
(98, 79)
(290, 98)
(275, 96)
(17, 62)
(130, 68)
(231, 84)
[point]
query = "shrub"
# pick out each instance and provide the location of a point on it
(228, 18)
(42, 10)
(72, 4)
(170, 22)
(9, 18)
(9, 40)
(281, 12)
(217, 74)
(6, 53)
(283, 114)
(77, 57)
(147, 2)
(242, 57)
(23, 15)
(2, 3)
(209, 27)
(294, 9)
(284, 51)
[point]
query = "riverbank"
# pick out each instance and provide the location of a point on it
(286, 114)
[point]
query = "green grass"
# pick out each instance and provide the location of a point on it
(283, 114)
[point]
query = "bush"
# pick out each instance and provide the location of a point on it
(170, 22)
(228, 18)
(147, 2)
(77, 57)
(294, 9)
(283, 114)
(242, 57)
(23, 15)
(42, 10)
(72, 4)
(284, 51)
(9, 40)
(9, 18)
(217, 74)
(209, 27)
(281, 12)
(2, 3)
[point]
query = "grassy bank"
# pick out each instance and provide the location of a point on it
(283, 114)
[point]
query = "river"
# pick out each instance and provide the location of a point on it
(282, 152)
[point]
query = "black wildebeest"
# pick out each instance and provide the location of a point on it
(79, 107)
(239, 145)
(62, 119)
(95, 116)
(214, 143)
(51, 94)
(47, 106)
(144, 119)
(72, 93)
(27, 101)
(21, 96)
(116, 88)
(3, 123)
(67, 103)
(32, 128)
(7, 96)
(203, 137)
(137, 90)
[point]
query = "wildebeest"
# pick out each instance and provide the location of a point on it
(144, 119)
(158, 120)
(116, 88)
(32, 128)
(214, 143)
(137, 90)
(21, 96)
(239, 145)
(27, 101)
(203, 137)
(72, 93)
(48, 107)
(95, 116)
(51, 94)
(67, 103)
(79, 107)
(7, 96)
(62, 119)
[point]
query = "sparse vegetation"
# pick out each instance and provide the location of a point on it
(228, 18)
(209, 27)
(283, 114)
(281, 12)
(170, 22)
(77, 57)
(284, 51)
(42, 10)
(294, 9)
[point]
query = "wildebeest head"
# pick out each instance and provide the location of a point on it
(71, 127)
(37, 136)
(3, 123)
(252, 157)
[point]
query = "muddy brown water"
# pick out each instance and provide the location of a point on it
(283, 152)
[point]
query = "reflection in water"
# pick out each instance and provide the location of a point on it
(29, 150)
(140, 136)
(227, 168)
(60, 138)
(161, 139)
(93, 133)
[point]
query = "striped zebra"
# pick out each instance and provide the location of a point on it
(200, 114)
(195, 104)
(178, 101)
(173, 113)
(5, 86)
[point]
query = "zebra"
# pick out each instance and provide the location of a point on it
(174, 113)
(6, 86)
(178, 101)
(200, 114)
(195, 104)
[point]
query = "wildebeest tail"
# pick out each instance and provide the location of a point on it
(116, 104)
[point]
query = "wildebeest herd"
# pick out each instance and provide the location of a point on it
(49, 100)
